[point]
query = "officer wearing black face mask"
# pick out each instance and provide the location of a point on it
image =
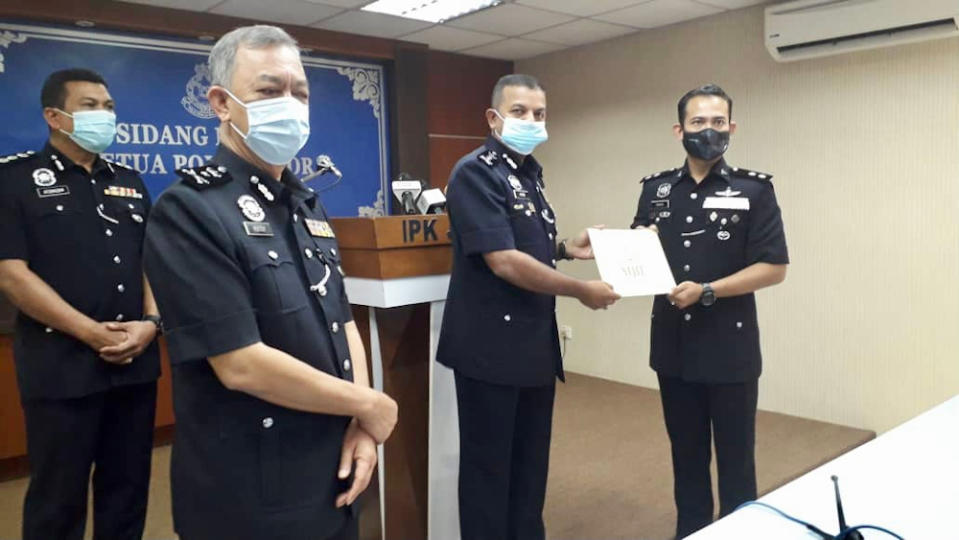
(723, 236)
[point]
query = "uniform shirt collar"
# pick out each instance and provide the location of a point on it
(720, 170)
(52, 156)
(502, 151)
(244, 171)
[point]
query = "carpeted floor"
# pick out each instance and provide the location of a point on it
(609, 474)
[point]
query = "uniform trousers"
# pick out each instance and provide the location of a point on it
(111, 432)
(504, 459)
(695, 414)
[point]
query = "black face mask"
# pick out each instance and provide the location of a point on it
(707, 144)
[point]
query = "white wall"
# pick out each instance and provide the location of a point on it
(865, 152)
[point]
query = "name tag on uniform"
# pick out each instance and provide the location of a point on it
(727, 203)
(520, 194)
(55, 191)
(661, 204)
(319, 228)
(257, 228)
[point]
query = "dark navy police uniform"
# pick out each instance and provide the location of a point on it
(708, 357)
(502, 343)
(235, 258)
(82, 234)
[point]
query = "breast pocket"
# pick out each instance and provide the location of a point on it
(58, 226)
(275, 283)
(525, 222)
(727, 225)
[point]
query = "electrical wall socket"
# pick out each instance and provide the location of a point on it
(566, 332)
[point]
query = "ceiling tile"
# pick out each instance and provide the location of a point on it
(734, 4)
(192, 5)
(372, 24)
(279, 11)
(445, 38)
(342, 3)
(659, 13)
(509, 20)
(580, 32)
(514, 49)
(579, 7)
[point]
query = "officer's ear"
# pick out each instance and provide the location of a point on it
(56, 120)
(732, 127)
(493, 120)
(218, 99)
(678, 131)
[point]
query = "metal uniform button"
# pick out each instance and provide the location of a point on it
(109, 232)
(308, 252)
(273, 255)
(267, 422)
(116, 259)
(296, 218)
(130, 206)
(119, 317)
(687, 243)
(739, 325)
(693, 196)
(121, 288)
(48, 330)
(689, 219)
(333, 252)
(550, 236)
(507, 317)
(554, 262)
(686, 268)
(92, 181)
(688, 317)
(335, 327)
(347, 365)
(59, 208)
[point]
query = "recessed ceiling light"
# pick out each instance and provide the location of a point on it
(434, 11)
(85, 24)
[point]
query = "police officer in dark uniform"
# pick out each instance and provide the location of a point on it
(499, 328)
(276, 423)
(723, 236)
(71, 232)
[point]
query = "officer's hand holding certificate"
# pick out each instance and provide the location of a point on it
(632, 261)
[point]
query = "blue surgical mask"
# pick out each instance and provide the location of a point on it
(92, 130)
(278, 128)
(523, 136)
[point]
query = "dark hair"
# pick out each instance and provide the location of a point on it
(707, 90)
(515, 79)
(54, 93)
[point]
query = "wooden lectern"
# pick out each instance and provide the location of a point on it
(397, 270)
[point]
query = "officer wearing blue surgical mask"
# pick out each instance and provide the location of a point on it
(71, 234)
(499, 328)
(277, 425)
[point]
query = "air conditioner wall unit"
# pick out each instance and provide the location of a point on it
(804, 29)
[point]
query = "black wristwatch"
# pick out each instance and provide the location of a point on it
(709, 296)
(155, 319)
(561, 251)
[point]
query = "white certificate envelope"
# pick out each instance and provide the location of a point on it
(632, 261)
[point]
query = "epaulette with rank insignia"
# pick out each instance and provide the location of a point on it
(746, 173)
(489, 158)
(118, 164)
(204, 176)
(14, 158)
(660, 174)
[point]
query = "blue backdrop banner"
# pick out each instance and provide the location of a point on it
(164, 121)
